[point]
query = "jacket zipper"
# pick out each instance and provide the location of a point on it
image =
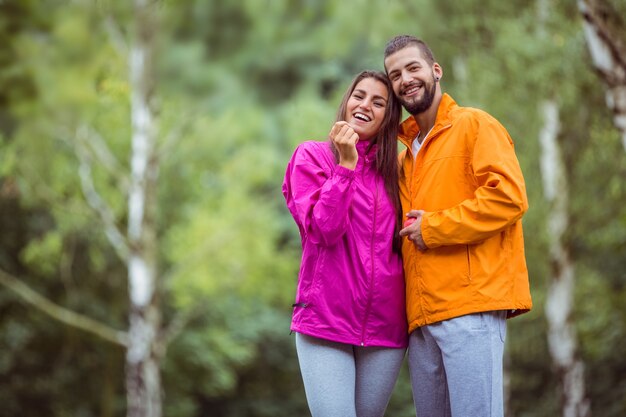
(303, 305)
(422, 150)
(427, 139)
(371, 283)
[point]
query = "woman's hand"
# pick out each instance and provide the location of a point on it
(413, 229)
(344, 138)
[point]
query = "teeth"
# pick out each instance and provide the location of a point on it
(362, 117)
(411, 90)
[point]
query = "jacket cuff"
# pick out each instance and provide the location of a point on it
(427, 235)
(344, 172)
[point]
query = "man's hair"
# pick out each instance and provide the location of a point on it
(403, 41)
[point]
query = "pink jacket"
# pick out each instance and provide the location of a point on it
(351, 285)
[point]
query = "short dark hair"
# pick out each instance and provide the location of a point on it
(403, 41)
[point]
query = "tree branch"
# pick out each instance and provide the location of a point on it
(605, 33)
(605, 24)
(176, 327)
(62, 314)
(92, 139)
(174, 136)
(116, 36)
(116, 238)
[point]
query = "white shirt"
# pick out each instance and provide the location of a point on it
(417, 145)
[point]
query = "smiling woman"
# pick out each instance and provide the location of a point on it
(349, 315)
(366, 106)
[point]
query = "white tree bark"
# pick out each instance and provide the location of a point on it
(143, 381)
(562, 339)
(138, 249)
(605, 33)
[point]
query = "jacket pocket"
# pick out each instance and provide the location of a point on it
(318, 273)
(469, 262)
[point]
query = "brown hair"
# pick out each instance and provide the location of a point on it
(386, 141)
(403, 41)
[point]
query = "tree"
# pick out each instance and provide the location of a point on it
(605, 32)
(143, 374)
(138, 248)
(236, 87)
(562, 338)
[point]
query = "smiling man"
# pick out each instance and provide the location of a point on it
(464, 264)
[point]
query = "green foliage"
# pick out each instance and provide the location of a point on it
(239, 86)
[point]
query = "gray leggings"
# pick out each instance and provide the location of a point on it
(342, 380)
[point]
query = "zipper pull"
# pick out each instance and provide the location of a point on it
(303, 305)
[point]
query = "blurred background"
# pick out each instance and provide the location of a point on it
(231, 89)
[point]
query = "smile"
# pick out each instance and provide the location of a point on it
(411, 90)
(362, 116)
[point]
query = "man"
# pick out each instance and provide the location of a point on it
(463, 189)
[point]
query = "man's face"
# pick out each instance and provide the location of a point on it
(412, 78)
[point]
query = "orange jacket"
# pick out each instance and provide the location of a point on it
(468, 180)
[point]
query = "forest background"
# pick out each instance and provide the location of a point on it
(234, 87)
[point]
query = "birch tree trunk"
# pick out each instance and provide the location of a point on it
(605, 32)
(562, 339)
(143, 380)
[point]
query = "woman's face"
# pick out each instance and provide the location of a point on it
(366, 107)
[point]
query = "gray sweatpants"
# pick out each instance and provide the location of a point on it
(456, 366)
(342, 380)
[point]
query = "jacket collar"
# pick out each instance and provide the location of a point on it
(361, 147)
(409, 128)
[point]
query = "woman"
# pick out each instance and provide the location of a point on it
(349, 316)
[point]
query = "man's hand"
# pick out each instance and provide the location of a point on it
(344, 138)
(413, 228)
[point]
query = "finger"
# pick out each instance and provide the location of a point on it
(332, 135)
(346, 131)
(334, 131)
(337, 127)
(344, 137)
(414, 213)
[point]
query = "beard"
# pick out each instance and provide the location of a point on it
(421, 105)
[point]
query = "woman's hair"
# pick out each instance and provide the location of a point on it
(386, 140)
